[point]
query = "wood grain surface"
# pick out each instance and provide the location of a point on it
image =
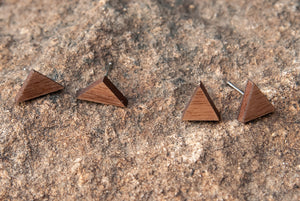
(254, 104)
(201, 107)
(103, 91)
(36, 85)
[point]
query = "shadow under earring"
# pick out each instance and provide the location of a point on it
(103, 91)
(254, 104)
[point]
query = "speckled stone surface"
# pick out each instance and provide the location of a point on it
(59, 148)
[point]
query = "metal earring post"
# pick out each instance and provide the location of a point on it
(230, 84)
(108, 68)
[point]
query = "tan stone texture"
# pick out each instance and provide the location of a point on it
(58, 148)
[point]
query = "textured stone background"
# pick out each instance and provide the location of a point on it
(58, 148)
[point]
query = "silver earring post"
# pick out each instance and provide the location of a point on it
(230, 84)
(108, 68)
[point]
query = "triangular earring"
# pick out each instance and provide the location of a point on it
(103, 91)
(36, 85)
(254, 104)
(201, 107)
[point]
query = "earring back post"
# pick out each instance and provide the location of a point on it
(234, 87)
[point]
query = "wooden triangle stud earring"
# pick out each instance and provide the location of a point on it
(36, 85)
(103, 91)
(254, 104)
(201, 107)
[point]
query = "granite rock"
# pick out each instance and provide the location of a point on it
(59, 148)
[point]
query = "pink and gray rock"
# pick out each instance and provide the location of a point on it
(59, 148)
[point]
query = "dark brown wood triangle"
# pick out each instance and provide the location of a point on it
(201, 107)
(103, 91)
(254, 104)
(36, 85)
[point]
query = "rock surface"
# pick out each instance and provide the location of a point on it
(58, 148)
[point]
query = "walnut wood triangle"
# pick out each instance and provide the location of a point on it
(36, 85)
(201, 107)
(103, 91)
(254, 104)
